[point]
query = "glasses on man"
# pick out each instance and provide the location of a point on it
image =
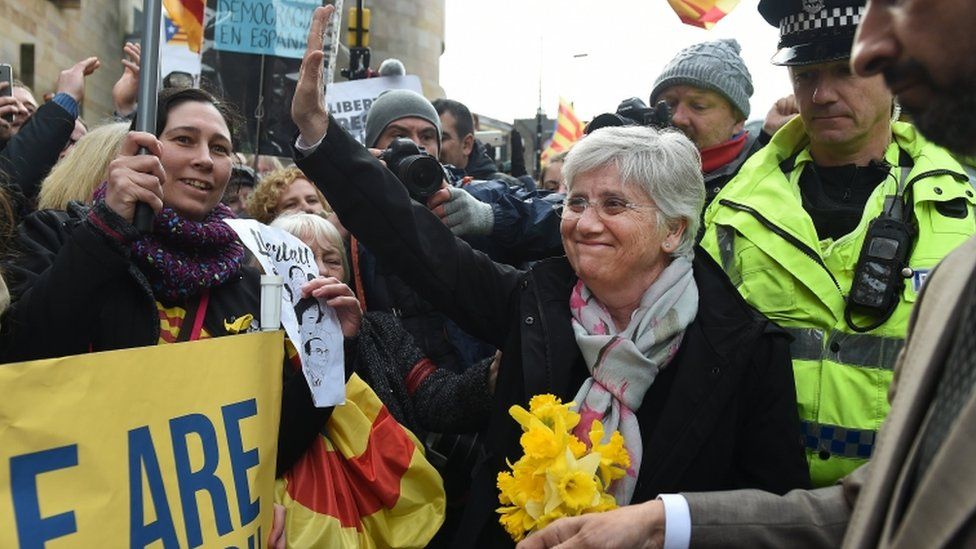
(575, 206)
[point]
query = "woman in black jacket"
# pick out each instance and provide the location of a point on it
(632, 325)
(86, 280)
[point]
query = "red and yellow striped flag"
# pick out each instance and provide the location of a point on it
(364, 483)
(568, 130)
(188, 14)
(702, 13)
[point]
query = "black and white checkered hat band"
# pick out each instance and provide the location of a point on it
(831, 18)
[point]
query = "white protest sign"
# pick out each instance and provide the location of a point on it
(310, 324)
(349, 102)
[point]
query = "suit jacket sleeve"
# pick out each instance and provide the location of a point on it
(753, 518)
(372, 203)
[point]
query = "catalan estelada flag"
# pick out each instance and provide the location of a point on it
(702, 13)
(568, 130)
(364, 482)
(188, 15)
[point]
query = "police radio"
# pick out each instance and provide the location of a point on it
(879, 277)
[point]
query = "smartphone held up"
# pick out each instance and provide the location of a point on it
(7, 86)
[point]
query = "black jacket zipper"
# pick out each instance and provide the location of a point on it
(807, 250)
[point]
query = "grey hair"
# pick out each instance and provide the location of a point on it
(316, 228)
(663, 163)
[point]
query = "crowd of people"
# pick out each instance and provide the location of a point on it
(775, 314)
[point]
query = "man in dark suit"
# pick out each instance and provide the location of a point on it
(919, 489)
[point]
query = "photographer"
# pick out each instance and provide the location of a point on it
(405, 114)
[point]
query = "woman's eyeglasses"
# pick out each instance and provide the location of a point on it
(575, 206)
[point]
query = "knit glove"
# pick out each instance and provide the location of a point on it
(465, 215)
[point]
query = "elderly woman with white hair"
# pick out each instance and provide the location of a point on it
(638, 329)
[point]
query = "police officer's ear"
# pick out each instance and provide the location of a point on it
(467, 144)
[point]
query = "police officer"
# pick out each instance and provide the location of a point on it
(831, 229)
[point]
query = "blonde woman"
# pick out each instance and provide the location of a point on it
(83, 168)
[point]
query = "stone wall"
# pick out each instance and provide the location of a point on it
(62, 36)
(408, 30)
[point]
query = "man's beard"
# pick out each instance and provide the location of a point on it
(949, 116)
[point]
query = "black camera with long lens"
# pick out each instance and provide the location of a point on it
(419, 172)
(633, 112)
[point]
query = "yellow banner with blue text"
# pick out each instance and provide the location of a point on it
(165, 446)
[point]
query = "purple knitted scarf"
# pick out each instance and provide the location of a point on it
(181, 258)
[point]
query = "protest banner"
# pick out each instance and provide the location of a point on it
(349, 102)
(168, 446)
(263, 27)
(258, 83)
(311, 325)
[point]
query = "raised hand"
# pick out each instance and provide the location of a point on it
(782, 111)
(308, 109)
(72, 80)
(125, 92)
(11, 109)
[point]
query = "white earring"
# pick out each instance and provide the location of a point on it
(895, 111)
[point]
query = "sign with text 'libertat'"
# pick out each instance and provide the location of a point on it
(349, 102)
(263, 27)
(165, 446)
(311, 325)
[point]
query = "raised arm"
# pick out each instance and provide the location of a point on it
(372, 203)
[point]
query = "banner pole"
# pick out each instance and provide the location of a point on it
(259, 114)
(148, 93)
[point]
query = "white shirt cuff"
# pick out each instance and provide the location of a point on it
(303, 147)
(677, 521)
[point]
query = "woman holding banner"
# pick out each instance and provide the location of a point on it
(86, 280)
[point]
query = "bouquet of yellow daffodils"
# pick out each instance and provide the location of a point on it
(558, 476)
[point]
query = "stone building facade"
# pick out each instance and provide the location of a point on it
(42, 37)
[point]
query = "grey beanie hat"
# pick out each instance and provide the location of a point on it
(396, 104)
(715, 66)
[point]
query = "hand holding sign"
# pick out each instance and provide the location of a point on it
(308, 109)
(340, 297)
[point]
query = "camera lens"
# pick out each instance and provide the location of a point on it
(422, 175)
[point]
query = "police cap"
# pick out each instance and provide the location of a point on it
(813, 31)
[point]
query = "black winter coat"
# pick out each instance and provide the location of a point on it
(74, 291)
(419, 395)
(721, 416)
(29, 156)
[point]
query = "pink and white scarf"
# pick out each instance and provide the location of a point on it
(623, 365)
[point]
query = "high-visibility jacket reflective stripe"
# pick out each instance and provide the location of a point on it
(867, 350)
